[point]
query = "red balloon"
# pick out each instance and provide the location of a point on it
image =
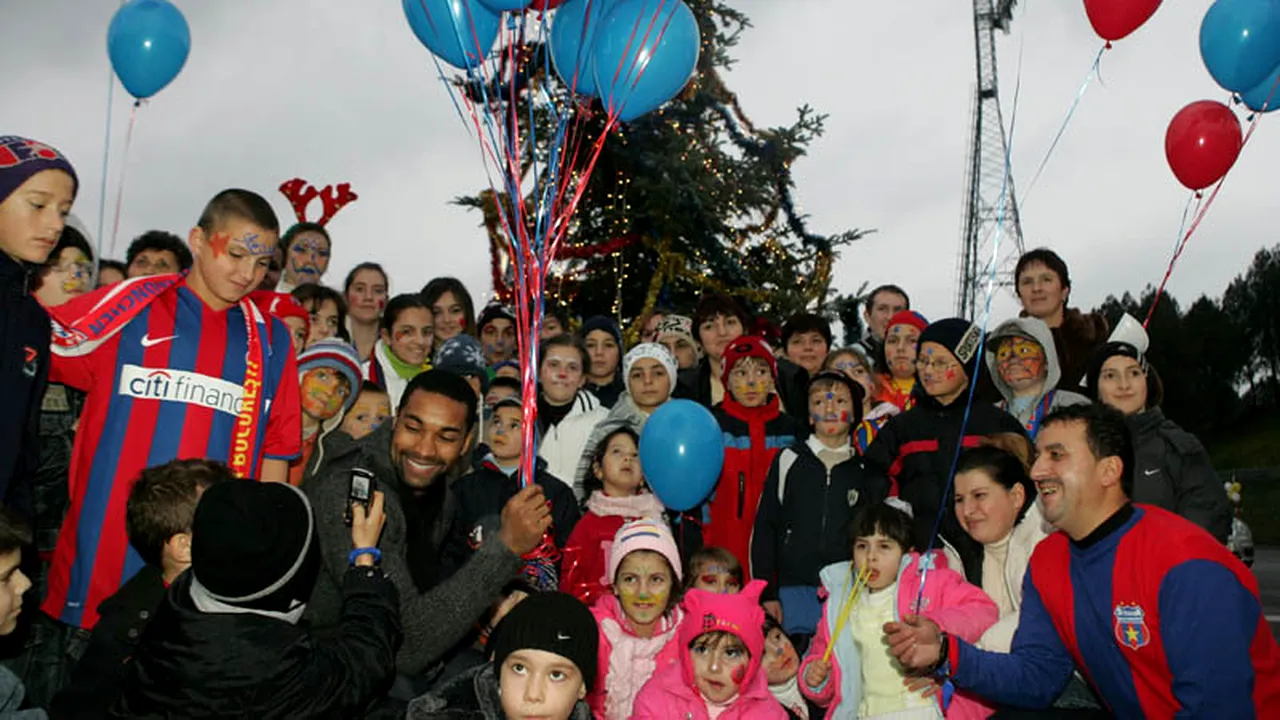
(545, 4)
(1202, 143)
(1114, 19)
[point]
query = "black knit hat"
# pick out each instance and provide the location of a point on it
(495, 311)
(253, 545)
(553, 622)
(600, 322)
(960, 337)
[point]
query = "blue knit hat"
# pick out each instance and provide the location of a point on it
(338, 355)
(461, 355)
(600, 322)
(21, 158)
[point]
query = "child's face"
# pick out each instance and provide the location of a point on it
(497, 393)
(879, 554)
(410, 336)
(719, 666)
(498, 338)
(1020, 363)
(450, 316)
(900, 345)
(508, 371)
(32, 217)
(942, 375)
(750, 382)
(297, 332)
(231, 261)
(504, 433)
(831, 410)
(619, 469)
(68, 276)
(324, 321)
(716, 578)
(643, 586)
(370, 410)
(780, 662)
(12, 585)
(539, 684)
(324, 390)
(308, 258)
(562, 374)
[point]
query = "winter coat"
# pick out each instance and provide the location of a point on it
(956, 606)
(562, 444)
(1172, 470)
(381, 372)
(917, 450)
(624, 413)
(805, 512)
(1052, 396)
(1075, 340)
(24, 373)
(668, 696)
(59, 414)
(627, 661)
(608, 394)
(122, 618)
(585, 561)
(792, 384)
(752, 437)
(434, 620)
(12, 693)
(1027, 534)
(199, 664)
(473, 695)
(484, 491)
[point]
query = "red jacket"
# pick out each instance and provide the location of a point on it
(586, 552)
(752, 436)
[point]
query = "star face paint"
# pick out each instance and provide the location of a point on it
(324, 390)
(1021, 364)
(780, 662)
(719, 666)
(900, 346)
(831, 410)
(643, 586)
(942, 377)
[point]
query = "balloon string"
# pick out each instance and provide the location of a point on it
(106, 166)
(1071, 111)
(124, 168)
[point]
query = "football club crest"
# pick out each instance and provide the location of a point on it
(1131, 626)
(852, 497)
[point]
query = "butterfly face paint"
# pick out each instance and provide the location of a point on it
(1021, 364)
(716, 578)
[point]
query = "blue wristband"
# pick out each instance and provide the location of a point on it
(375, 552)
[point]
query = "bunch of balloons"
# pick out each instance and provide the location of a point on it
(634, 55)
(148, 42)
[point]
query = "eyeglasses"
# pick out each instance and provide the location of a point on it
(936, 365)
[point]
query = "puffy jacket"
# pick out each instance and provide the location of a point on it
(24, 372)
(562, 444)
(484, 491)
(1172, 471)
(917, 450)
(626, 661)
(1051, 396)
(752, 437)
(803, 522)
(956, 606)
(585, 559)
(668, 697)
(243, 665)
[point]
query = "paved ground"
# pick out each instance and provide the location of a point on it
(1266, 567)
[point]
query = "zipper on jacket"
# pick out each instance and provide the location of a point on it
(826, 503)
(742, 493)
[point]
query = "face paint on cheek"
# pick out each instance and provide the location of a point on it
(739, 674)
(218, 244)
(949, 375)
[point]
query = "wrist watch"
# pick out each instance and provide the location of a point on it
(943, 666)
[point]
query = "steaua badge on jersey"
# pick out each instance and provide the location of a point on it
(1131, 626)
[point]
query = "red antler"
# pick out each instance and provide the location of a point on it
(333, 202)
(300, 194)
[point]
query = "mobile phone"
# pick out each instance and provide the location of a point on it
(359, 491)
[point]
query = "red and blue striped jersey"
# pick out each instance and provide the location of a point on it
(168, 385)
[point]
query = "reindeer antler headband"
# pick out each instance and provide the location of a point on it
(301, 193)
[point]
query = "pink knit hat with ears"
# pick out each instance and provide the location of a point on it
(738, 614)
(644, 534)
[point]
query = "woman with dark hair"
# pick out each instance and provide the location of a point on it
(451, 308)
(1171, 470)
(365, 290)
(1044, 287)
(111, 272)
(327, 309)
(404, 349)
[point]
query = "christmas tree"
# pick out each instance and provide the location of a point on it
(689, 199)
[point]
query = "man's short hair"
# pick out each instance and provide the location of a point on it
(162, 503)
(242, 204)
(15, 534)
(446, 383)
(502, 381)
(163, 242)
(806, 322)
(1106, 433)
(889, 287)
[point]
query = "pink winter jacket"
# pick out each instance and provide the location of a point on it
(957, 607)
(626, 661)
(667, 696)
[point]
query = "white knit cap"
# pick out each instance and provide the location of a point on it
(649, 350)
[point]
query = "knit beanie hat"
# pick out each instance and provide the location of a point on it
(553, 622)
(1129, 339)
(461, 355)
(644, 534)
(960, 337)
(600, 322)
(335, 354)
(907, 317)
(681, 327)
(654, 351)
(746, 346)
(494, 311)
(21, 158)
(738, 614)
(253, 549)
(281, 305)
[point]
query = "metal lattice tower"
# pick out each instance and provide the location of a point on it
(990, 204)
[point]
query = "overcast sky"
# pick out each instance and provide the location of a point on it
(342, 91)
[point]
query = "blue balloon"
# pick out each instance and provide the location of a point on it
(681, 453)
(148, 42)
(1255, 98)
(645, 53)
(1240, 42)
(459, 32)
(573, 33)
(500, 5)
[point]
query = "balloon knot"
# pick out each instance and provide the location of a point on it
(1107, 46)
